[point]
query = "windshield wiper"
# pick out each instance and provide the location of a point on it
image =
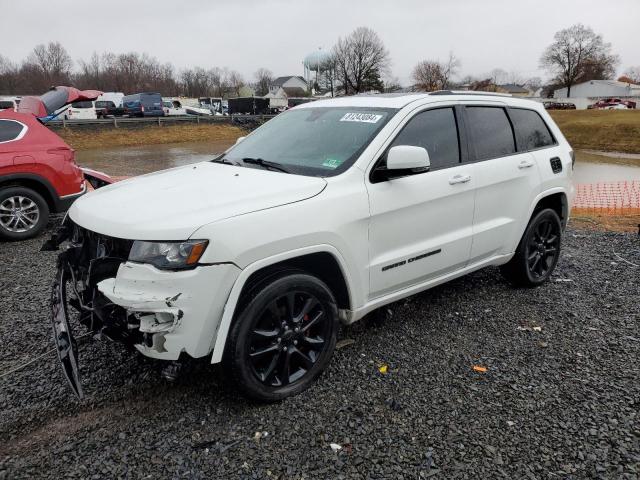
(223, 160)
(266, 164)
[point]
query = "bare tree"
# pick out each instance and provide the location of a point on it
(264, 78)
(427, 76)
(47, 65)
(360, 60)
(236, 82)
(9, 72)
(430, 75)
(576, 54)
(633, 73)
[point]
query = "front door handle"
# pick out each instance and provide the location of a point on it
(459, 179)
(525, 164)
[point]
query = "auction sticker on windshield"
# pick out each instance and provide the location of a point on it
(361, 117)
(332, 163)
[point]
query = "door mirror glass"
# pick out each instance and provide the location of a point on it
(406, 157)
(239, 139)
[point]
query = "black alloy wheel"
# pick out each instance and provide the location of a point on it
(543, 247)
(538, 251)
(283, 338)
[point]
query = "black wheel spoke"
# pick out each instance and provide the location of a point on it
(313, 341)
(306, 361)
(264, 351)
(287, 338)
(535, 263)
(286, 368)
(266, 334)
(313, 321)
(291, 301)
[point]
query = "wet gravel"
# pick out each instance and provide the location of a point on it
(560, 397)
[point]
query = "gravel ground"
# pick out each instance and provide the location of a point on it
(560, 397)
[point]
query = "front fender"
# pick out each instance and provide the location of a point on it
(234, 295)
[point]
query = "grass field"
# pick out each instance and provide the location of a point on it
(606, 130)
(81, 139)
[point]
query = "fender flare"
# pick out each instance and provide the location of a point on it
(220, 340)
(540, 196)
(32, 177)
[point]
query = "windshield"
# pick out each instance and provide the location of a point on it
(320, 141)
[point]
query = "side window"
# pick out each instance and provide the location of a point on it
(492, 135)
(437, 131)
(531, 131)
(10, 130)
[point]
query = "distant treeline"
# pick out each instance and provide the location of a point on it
(49, 65)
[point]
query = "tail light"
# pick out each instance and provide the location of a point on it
(142, 108)
(573, 158)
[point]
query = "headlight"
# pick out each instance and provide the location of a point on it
(168, 255)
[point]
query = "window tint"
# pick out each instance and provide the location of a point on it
(531, 131)
(82, 104)
(435, 130)
(492, 134)
(9, 130)
(6, 104)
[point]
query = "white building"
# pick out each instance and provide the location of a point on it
(595, 89)
(291, 86)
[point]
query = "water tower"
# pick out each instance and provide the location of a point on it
(314, 65)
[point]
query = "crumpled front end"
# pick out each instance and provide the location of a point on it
(161, 313)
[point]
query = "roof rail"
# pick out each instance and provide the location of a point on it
(469, 92)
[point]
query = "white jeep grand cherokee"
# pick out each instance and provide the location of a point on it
(322, 215)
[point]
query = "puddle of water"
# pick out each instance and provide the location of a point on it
(591, 167)
(126, 161)
(597, 167)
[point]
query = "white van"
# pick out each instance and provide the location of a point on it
(9, 103)
(84, 110)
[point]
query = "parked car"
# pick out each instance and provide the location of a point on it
(108, 109)
(143, 105)
(323, 214)
(38, 172)
(613, 104)
(82, 110)
(173, 108)
(559, 106)
(9, 103)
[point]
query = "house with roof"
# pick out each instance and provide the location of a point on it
(290, 86)
(513, 89)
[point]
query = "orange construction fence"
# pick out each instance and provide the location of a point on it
(618, 198)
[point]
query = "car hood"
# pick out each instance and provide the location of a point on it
(172, 204)
(56, 98)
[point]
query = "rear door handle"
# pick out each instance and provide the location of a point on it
(525, 164)
(459, 179)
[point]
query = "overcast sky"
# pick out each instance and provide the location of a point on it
(277, 34)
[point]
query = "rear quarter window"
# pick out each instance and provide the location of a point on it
(491, 132)
(531, 131)
(10, 130)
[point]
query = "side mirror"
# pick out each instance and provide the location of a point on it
(239, 139)
(406, 157)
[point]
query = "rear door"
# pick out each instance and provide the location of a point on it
(506, 181)
(421, 224)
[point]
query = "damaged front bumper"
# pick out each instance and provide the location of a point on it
(158, 312)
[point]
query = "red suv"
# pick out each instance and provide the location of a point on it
(38, 172)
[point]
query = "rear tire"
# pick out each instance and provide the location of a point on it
(283, 338)
(23, 213)
(538, 251)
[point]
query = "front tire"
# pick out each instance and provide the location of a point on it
(283, 338)
(538, 251)
(23, 213)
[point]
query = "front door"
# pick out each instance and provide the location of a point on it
(421, 224)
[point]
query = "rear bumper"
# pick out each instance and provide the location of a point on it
(62, 204)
